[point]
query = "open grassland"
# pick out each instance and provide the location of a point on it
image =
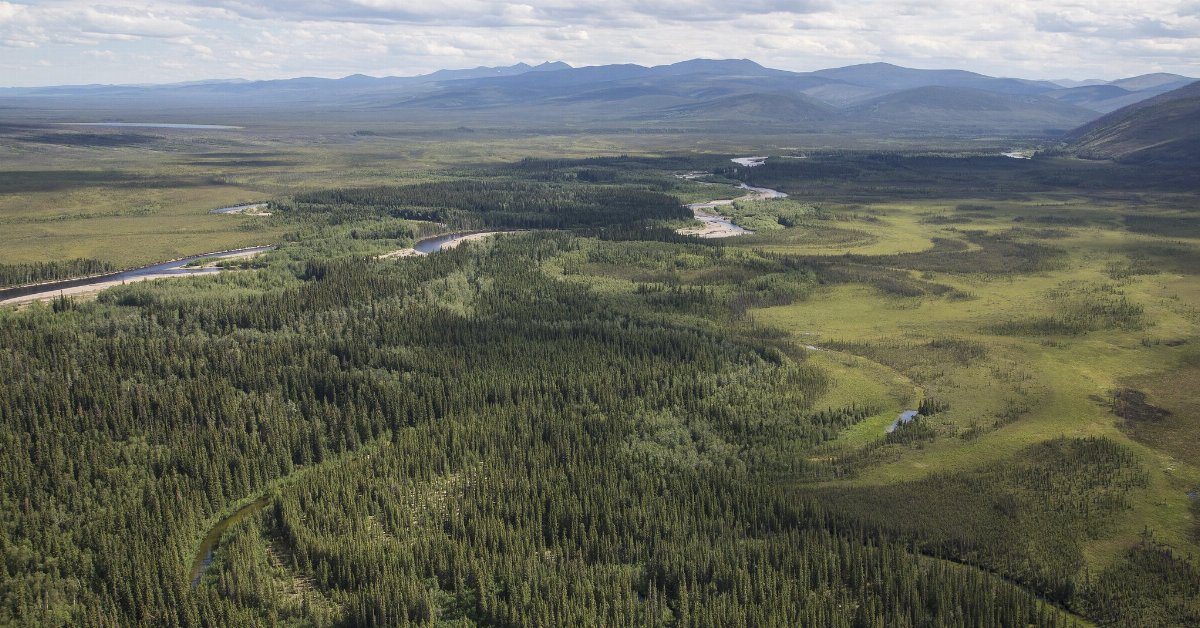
(1041, 352)
(128, 196)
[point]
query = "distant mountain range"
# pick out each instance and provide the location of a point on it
(700, 93)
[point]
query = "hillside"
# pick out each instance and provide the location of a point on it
(1164, 128)
(788, 108)
(1160, 80)
(1103, 98)
(966, 110)
(885, 76)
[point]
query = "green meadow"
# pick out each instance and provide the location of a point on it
(1048, 349)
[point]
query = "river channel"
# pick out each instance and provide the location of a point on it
(204, 556)
(173, 268)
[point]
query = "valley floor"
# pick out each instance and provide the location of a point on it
(603, 420)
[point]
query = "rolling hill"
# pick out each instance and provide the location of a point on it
(1161, 81)
(888, 77)
(1163, 129)
(966, 110)
(792, 109)
(1102, 98)
(1109, 97)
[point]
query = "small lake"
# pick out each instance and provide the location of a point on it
(905, 417)
(153, 125)
(429, 245)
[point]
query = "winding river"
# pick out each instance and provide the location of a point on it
(718, 226)
(204, 555)
(714, 224)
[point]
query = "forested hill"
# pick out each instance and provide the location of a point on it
(1163, 130)
(580, 427)
(472, 436)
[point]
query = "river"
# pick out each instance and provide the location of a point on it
(451, 240)
(718, 226)
(715, 225)
(204, 556)
(749, 162)
(173, 268)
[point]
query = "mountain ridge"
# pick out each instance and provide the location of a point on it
(878, 98)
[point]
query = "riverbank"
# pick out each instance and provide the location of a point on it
(714, 226)
(441, 243)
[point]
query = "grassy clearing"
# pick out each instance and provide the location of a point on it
(129, 200)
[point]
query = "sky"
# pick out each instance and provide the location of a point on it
(55, 42)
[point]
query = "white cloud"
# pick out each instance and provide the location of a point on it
(10, 42)
(131, 23)
(279, 38)
(567, 33)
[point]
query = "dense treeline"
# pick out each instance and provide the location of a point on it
(876, 176)
(491, 202)
(17, 274)
(1023, 518)
(624, 169)
(1153, 586)
(468, 437)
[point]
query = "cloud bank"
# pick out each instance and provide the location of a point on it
(124, 41)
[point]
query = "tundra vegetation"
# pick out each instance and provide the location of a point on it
(599, 421)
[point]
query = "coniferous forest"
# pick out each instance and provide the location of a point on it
(587, 423)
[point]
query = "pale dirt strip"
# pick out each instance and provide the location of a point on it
(89, 290)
